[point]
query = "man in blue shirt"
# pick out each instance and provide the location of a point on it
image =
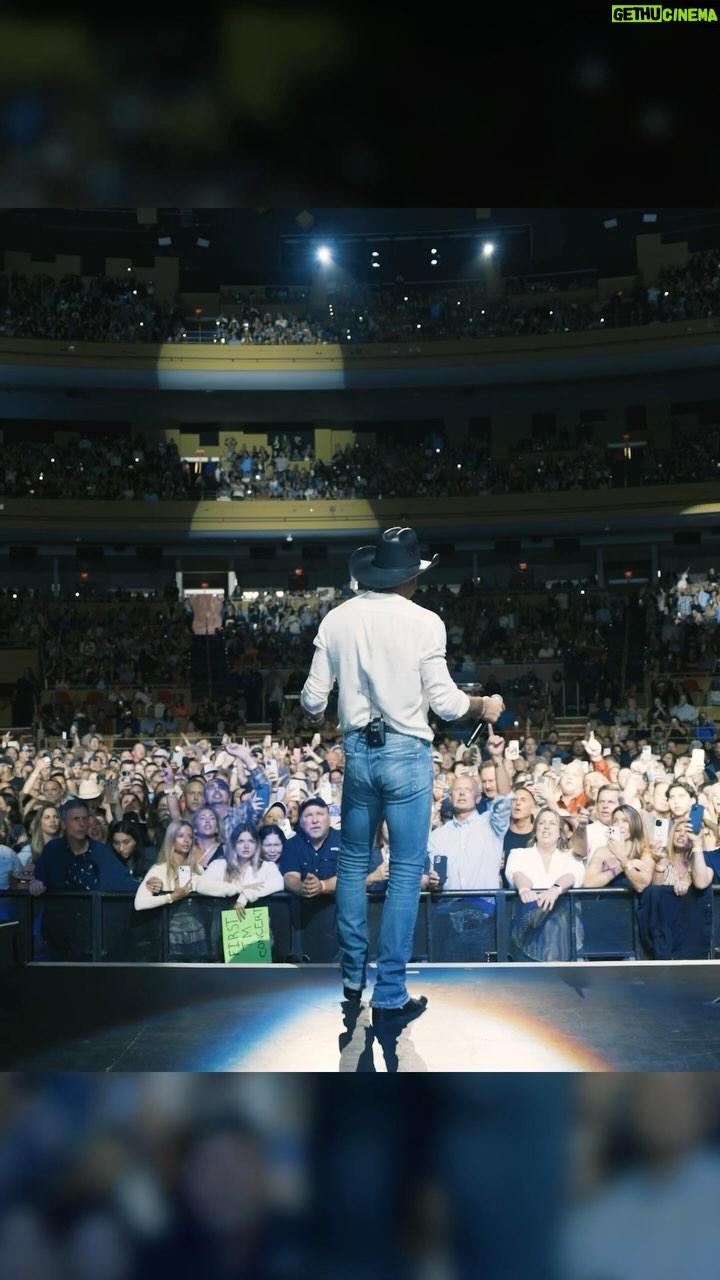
(309, 867)
(75, 861)
(309, 859)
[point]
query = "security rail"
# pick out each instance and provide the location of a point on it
(471, 926)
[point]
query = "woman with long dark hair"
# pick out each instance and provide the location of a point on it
(243, 867)
(272, 842)
(625, 861)
(125, 838)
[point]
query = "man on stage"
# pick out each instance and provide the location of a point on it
(388, 656)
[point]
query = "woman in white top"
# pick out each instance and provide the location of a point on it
(243, 870)
(176, 874)
(542, 872)
(165, 883)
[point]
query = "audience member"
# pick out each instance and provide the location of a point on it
(309, 868)
(542, 926)
(466, 853)
(675, 910)
(74, 861)
(209, 845)
(169, 881)
(626, 859)
(244, 867)
(125, 838)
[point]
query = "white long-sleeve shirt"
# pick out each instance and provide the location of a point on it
(213, 888)
(251, 884)
(529, 861)
(388, 656)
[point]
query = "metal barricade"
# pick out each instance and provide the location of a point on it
(457, 926)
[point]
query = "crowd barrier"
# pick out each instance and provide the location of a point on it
(457, 926)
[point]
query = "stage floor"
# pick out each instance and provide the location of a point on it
(602, 1016)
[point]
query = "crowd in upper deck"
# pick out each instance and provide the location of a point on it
(103, 465)
(126, 309)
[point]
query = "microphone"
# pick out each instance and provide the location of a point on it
(475, 733)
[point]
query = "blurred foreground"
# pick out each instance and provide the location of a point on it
(598, 1177)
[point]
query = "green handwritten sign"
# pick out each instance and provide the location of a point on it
(246, 939)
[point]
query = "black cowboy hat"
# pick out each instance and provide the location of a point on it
(394, 560)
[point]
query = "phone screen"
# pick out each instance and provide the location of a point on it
(696, 817)
(440, 865)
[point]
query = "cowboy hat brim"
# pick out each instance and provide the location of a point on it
(368, 574)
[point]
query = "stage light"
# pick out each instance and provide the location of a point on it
(202, 243)
(649, 217)
(609, 223)
(165, 240)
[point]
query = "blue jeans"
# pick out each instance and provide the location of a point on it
(395, 782)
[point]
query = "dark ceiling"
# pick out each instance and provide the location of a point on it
(272, 239)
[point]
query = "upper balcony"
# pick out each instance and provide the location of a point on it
(519, 374)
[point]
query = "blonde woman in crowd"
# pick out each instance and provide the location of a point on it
(176, 874)
(675, 912)
(208, 838)
(681, 862)
(98, 828)
(625, 860)
(165, 882)
(44, 825)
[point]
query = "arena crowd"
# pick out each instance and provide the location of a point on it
(633, 803)
(109, 467)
